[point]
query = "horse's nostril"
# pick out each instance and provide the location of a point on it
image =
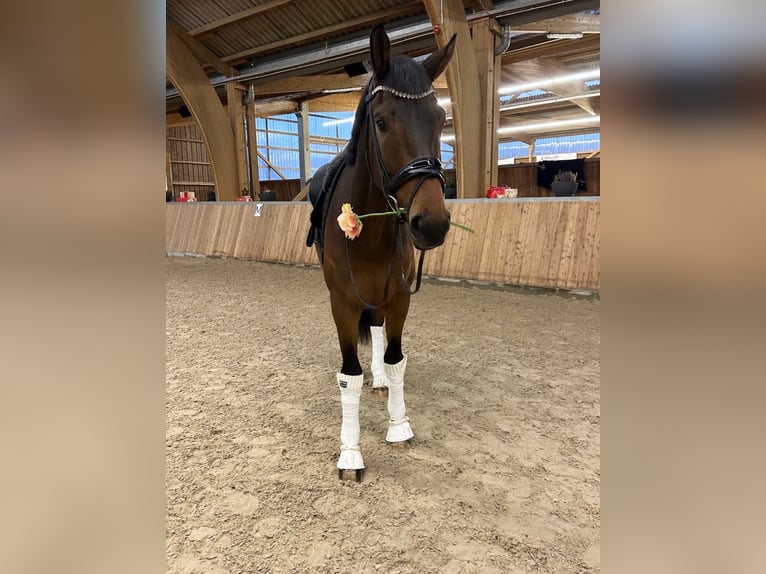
(415, 222)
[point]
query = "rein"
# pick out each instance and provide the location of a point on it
(424, 167)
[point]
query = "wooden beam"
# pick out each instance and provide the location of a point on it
(252, 148)
(571, 23)
(271, 165)
(203, 53)
(593, 154)
(237, 119)
(274, 108)
(465, 93)
(359, 22)
(336, 103)
(168, 169)
(488, 67)
(304, 144)
(237, 17)
(496, 28)
(303, 84)
(188, 162)
(303, 192)
(479, 5)
(518, 136)
(328, 141)
(551, 48)
(310, 84)
(186, 74)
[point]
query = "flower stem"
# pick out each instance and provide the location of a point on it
(401, 211)
(461, 226)
(381, 213)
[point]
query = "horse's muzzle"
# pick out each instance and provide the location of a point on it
(428, 231)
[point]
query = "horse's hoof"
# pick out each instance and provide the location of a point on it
(405, 444)
(380, 392)
(353, 474)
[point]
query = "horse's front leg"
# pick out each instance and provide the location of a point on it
(399, 430)
(379, 379)
(350, 380)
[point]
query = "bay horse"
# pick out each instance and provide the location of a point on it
(391, 163)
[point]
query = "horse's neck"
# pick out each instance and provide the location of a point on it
(367, 198)
(368, 195)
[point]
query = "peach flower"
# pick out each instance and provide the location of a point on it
(349, 222)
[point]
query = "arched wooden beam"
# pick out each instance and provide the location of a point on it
(465, 94)
(185, 73)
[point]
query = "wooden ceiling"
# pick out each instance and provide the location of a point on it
(294, 50)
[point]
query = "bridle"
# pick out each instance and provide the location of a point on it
(424, 167)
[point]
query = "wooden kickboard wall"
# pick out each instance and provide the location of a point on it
(536, 243)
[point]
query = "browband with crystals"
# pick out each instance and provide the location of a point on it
(398, 94)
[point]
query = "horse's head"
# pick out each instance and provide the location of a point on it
(406, 124)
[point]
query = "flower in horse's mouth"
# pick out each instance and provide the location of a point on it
(349, 222)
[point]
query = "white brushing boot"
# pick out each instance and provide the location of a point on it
(350, 455)
(379, 379)
(399, 429)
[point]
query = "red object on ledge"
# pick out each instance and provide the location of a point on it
(186, 196)
(247, 198)
(495, 192)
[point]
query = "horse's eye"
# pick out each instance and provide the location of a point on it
(381, 123)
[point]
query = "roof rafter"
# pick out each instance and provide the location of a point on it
(202, 52)
(317, 83)
(238, 17)
(360, 21)
(580, 22)
(551, 48)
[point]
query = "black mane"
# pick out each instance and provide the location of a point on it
(405, 75)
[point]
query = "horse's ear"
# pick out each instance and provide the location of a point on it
(380, 52)
(437, 62)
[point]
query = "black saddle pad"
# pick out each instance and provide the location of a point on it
(321, 189)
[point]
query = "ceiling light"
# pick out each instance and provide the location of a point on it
(343, 90)
(536, 127)
(549, 82)
(337, 122)
(564, 35)
(549, 101)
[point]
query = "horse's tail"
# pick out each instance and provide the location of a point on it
(364, 326)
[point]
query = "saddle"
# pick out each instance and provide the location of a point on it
(321, 189)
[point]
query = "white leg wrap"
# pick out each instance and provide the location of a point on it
(379, 379)
(350, 390)
(399, 425)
